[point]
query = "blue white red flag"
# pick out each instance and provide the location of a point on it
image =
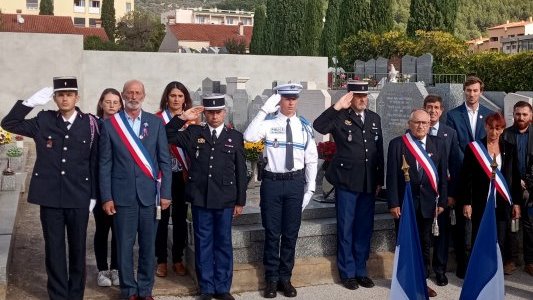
(408, 275)
(484, 275)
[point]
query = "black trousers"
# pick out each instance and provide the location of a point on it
(441, 243)
(63, 283)
(527, 228)
(458, 236)
(179, 223)
(104, 224)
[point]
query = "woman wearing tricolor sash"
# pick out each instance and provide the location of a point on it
(174, 101)
(475, 178)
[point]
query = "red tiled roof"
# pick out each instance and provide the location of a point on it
(512, 24)
(46, 24)
(216, 35)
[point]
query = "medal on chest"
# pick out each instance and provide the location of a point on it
(49, 142)
(349, 136)
(276, 143)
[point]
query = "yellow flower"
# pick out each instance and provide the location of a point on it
(5, 137)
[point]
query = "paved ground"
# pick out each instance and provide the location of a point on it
(27, 277)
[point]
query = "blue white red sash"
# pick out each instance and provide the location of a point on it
(423, 160)
(133, 143)
(180, 155)
(482, 155)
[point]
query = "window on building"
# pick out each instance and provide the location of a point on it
(246, 21)
(230, 20)
(95, 4)
(200, 19)
(494, 39)
(128, 6)
(79, 3)
(79, 22)
(92, 22)
(32, 4)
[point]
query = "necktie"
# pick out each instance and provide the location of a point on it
(67, 124)
(359, 119)
(214, 136)
(289, 158)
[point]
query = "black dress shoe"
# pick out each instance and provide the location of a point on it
(350, 283)
(460, 272)
(365, 282)
(271, 289)
(205, 297)
(223, 296)
(441, 279)
(287, 289)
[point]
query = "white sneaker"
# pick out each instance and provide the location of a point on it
(103, 278)
(114, 277)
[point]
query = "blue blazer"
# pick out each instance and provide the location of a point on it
(457, 119)
(449, 136)
(423, 194)
(121, 179)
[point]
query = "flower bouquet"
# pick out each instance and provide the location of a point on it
(326, 151)
(253, 153)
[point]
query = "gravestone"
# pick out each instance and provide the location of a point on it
(409, 67)
(240, 109)
(311, 104)
(359, 69)
(509, 101)
(311, 85)
(204, 50)
(229, 108)
(196, 98)
(394, 104)
(223, 50)
(424, 68)
(254, 107)
(370, 68)
(235, 83)
(451, 94)
(382, 65)
(525, 93)
(207, 86)
(216, 87)
(497, 98)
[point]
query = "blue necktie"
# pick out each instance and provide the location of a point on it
(289, 157)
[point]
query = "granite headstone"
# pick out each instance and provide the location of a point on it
(424, 68)
(409, 67)
(370, 68)
(381, 68)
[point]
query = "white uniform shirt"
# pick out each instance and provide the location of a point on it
(272, 131)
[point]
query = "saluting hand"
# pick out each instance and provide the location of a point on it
(192, 113)
(165, 203)
(344, 102)
(109, 208)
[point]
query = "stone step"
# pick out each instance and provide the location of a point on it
(315, 210)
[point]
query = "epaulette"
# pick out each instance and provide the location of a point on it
(270, 117)
(307, 126)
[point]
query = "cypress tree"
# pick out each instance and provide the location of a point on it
(313, 27)
(421, 16)
(328, 39)
(260, 32)
(108, 18)
(273, 25)
(446, 15)
(381, 14)
(354, 16)
(46, 7)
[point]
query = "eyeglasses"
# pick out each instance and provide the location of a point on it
(420, 123)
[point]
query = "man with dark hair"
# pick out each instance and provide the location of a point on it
(467, 120)
(520, 134)
(433, 105)
(63, 181)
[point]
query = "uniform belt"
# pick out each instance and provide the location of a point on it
(283, 176)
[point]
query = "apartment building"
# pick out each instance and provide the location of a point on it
(84, 13)
(510, 37)
(214, 16)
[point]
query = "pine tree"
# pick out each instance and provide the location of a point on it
(258, 45)
(46, 7)
(353, 17)
(328, 39)
(381, 14)
(108, 18)
(313, 27)
(421, 16)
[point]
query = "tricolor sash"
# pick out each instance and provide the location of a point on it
(178, 152)
(482, 155)
(136, 148)
(423, 160)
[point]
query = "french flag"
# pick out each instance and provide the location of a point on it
(408, 275)
(484, 275)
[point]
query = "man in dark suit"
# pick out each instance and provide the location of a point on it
(135, 180)
(468, 121)
(216, 189)
(433, 105)
(356, 171)
(63, 179)
(520, 134)
(428, 202)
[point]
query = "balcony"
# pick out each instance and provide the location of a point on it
(79, 9)
(94, 10)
